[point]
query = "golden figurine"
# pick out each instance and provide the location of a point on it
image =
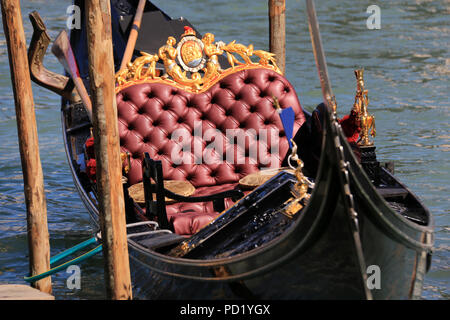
(168, 53)
(212, 51)
(125, 158)
(367, 121)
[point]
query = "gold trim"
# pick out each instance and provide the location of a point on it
(204, 88)
(300, 195)
(367, 121)
(299, 192)
(199, 57)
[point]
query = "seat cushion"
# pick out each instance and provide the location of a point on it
(188, 218)
(209, 138)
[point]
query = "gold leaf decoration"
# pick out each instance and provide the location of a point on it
(193, 63)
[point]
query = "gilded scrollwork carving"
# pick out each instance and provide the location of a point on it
(193, 63)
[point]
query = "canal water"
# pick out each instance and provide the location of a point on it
(407, 67)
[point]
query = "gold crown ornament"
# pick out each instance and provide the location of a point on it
(193, 63)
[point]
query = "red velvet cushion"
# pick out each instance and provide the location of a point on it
(188, 218)
(150, 114)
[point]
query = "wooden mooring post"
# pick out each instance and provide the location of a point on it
(38, 238)
(277, 31)
(107, 150)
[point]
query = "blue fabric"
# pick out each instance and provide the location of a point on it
(287, 116)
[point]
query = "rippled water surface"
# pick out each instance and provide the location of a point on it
(407, 67)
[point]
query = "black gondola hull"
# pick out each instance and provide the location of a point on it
(314, 260)
(328, 253)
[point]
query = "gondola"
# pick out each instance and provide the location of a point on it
(333, 224)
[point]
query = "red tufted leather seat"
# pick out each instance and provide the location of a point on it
(164, 120)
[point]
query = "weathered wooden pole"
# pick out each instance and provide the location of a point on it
(277, 31)
(107, 150)
(38, 238)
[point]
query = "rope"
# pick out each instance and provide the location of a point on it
(88, 254)
(74, 249)
(54, 270)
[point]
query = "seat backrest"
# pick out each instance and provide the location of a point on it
(210, 134)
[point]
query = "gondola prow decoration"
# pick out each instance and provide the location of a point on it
(300, 189)
(367, 121)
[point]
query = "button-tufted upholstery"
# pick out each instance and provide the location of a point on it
(188, 133)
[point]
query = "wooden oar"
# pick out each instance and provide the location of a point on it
(133, 34)
(63, 51)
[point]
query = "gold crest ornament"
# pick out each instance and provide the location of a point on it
(190, 53)
(193, 64)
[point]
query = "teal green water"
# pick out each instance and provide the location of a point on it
(407, 67)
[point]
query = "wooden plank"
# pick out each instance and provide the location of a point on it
(393, 192)
(22, 292)
(38, 238)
